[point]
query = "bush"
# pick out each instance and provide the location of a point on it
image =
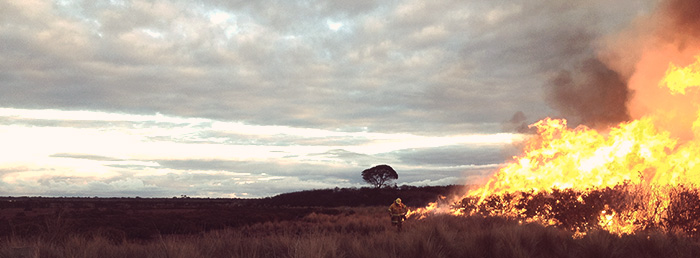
(683, 212)
(623, 209)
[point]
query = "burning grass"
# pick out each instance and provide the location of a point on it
(630, 178)
(623, 209)
(366, 232)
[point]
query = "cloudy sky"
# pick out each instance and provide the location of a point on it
(231, 98)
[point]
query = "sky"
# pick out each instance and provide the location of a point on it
(251, 99)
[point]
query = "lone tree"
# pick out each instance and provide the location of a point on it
(379, 176)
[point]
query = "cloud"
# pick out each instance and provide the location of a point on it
(84, 156)
(123, 187)
(455, 155)
(106, 154)
(279, 64)
(186, 94)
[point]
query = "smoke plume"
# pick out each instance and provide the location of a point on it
(619, 81)
(681, 18)
(592, 95)
(669, 36)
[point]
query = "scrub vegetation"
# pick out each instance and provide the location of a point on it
(254, 229)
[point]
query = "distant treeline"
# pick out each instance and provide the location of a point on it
(415, 196)
(29, 203)
(356, 197)
(146, 218)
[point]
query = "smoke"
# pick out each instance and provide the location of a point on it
(593, 94)
(682, 20)
(669, 36)
(582, 88)
(517, 123)
(619, 81)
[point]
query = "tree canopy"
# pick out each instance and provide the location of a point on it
(379, 176)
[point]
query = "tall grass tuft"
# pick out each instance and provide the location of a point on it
(367, 232)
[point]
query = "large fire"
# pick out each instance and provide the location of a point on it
(627, 178)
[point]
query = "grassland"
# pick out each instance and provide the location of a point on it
(358, 232)
(315, 224)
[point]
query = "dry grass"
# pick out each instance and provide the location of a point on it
(623, 209)
(366, 232)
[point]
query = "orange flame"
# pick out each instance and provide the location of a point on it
(636, 152)
(678, 79)
(442, 206)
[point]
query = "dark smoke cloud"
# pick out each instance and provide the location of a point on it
(583, 89)
(596, 94)
(518, 123)
(592, 94)
(682, 18)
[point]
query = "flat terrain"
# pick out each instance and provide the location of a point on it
(193, 228)
(147, 218)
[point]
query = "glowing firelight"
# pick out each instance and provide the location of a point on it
(678, 79)
(635, 153)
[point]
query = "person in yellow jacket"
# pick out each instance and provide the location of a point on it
(398, 211)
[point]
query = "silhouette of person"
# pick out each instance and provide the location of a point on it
(398, 211)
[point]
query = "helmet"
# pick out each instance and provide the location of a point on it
(398, 200)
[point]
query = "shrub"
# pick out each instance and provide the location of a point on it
(623, 209)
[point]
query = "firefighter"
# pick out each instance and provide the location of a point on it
(398, 211)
